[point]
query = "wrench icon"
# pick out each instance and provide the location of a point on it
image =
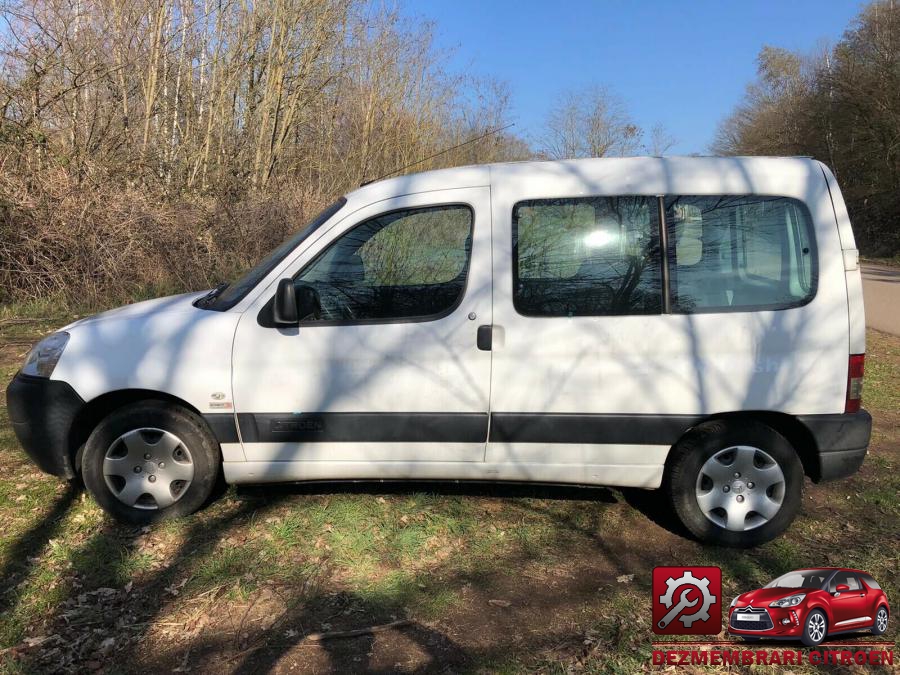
(680, 605)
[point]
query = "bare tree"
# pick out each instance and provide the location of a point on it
(659, 141)
(161, 144)
(590, 123)
(839, 104)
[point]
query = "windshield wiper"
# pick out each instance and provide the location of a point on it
(212, 295)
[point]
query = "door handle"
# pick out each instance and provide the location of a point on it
(862, 595)
(484, 338)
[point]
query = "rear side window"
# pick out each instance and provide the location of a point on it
(870, 582)
(591, 256)
(739, 253)
(408, 264)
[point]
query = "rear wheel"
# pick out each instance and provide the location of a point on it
(734, 482)
(881, 621)
(150, 461)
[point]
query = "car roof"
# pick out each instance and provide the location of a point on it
(836, 569)
(612, 175)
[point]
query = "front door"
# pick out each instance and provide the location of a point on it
(851, 608)
(385, 378)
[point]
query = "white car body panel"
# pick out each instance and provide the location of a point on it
(675, 363)
(225, 363)
(165, 345)
(853, 274)
(404, 366)
(619, 474)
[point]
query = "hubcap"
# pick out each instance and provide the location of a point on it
(740, 488)
(816, 627)
(148, 468)
(882, 620)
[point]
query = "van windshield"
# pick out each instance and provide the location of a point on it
(227, 296)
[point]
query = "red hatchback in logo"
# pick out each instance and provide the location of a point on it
(809, 605)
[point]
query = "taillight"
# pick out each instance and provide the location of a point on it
(855, 383)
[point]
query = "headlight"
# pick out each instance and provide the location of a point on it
(734, 602)
(42, 358)
(790, 601)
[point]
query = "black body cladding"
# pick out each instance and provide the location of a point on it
(42, 412)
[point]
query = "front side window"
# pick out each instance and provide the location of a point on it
(846, 578)
(587, 256)
(737, 253)
(405, 264)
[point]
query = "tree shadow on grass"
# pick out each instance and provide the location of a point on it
(588, 565)
(279, 640)
(470, 634)
(21, 555)
(650, 503)
(433, 650)
(656, 508)
(91, 602)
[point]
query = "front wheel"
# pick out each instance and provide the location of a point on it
(150, 461)
(881, 621)
(815, 629)
(734, 482)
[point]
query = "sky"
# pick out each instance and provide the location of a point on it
(683, 64)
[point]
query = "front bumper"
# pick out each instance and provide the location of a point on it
(42, 412)
(774, 627)
(842, 441)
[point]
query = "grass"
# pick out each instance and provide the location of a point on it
(494, 579)
(882, 372)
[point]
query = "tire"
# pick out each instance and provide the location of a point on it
(177, 480)
(815, 620)
(705, 451)
(881, 620)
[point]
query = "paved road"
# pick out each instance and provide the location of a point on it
(881, 291)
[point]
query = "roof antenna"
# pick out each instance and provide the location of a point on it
(438, 154)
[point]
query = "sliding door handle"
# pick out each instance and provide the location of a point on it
(485, 338)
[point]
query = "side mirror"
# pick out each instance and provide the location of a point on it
(842, 588)
(285, 310)
(307, 302)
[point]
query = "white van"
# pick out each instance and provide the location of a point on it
(692, 324)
